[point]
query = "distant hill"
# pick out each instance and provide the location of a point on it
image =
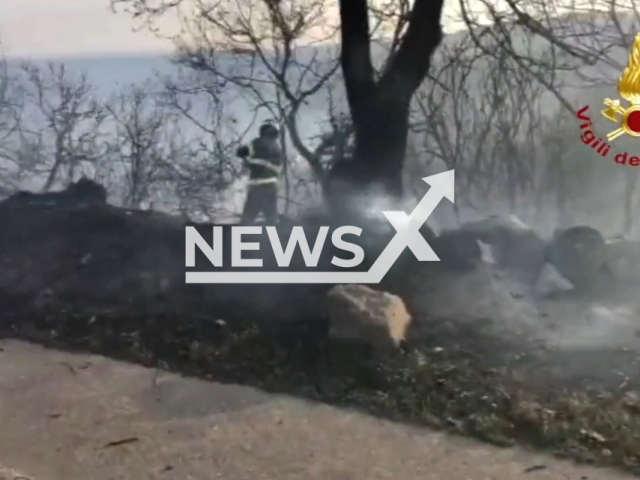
(108, 72)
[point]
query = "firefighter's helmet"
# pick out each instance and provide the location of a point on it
(268, 129)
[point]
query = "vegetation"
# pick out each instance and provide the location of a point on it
(480, 100)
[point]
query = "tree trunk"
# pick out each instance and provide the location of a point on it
(380, 108)
(381, 143)
(53, 173)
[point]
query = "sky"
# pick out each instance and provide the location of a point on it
(62, 28)
(68, 28)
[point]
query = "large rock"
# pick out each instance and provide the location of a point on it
(623, 258)
(84, 191)
(514, 245)
(551, 283)
(359, 313)
(579, 253)
(486, 253)
(458, 249)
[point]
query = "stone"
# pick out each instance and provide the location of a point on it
(44, 298)
(578, 253)
(458, 249)
(84, 191)
(361, 314)
(88, 191)
(623, 259)
(487, 228)
(514, 246)
(631, 402)
(550, 282)
(486, 253)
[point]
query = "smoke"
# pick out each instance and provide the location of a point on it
(560, 323)
(595, 325)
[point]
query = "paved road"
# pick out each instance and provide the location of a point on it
(65, 416)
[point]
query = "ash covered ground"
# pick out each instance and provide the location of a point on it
(515, 337)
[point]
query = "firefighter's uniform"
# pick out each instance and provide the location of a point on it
(264, 159)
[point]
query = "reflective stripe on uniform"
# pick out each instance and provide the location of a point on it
(262, 181)
(263, 163)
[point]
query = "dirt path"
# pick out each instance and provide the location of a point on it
(66, 416)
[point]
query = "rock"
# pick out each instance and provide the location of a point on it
(623, 259)
(550, 282)
(486, 253)
(458, 249)
(631, 402)
(578, 253)
(406, 265)
(359, 313)
(515, 246)
(487, 228)
(44, 298)
(593, 435)
(84, 191)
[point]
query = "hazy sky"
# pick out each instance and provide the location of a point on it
(51, 28)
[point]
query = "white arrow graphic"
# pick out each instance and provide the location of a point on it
(407, 235)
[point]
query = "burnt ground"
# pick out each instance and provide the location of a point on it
(480, 358)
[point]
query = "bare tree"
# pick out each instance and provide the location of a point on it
(561, 43)
(6, 102)
(10, 109)
(271, 34)
(201, 168)
(478, 116)
(529, 46)
(551, 48)
(254, 50)
(142, 141)
(61, 127)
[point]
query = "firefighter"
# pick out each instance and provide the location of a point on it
(264, 159)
